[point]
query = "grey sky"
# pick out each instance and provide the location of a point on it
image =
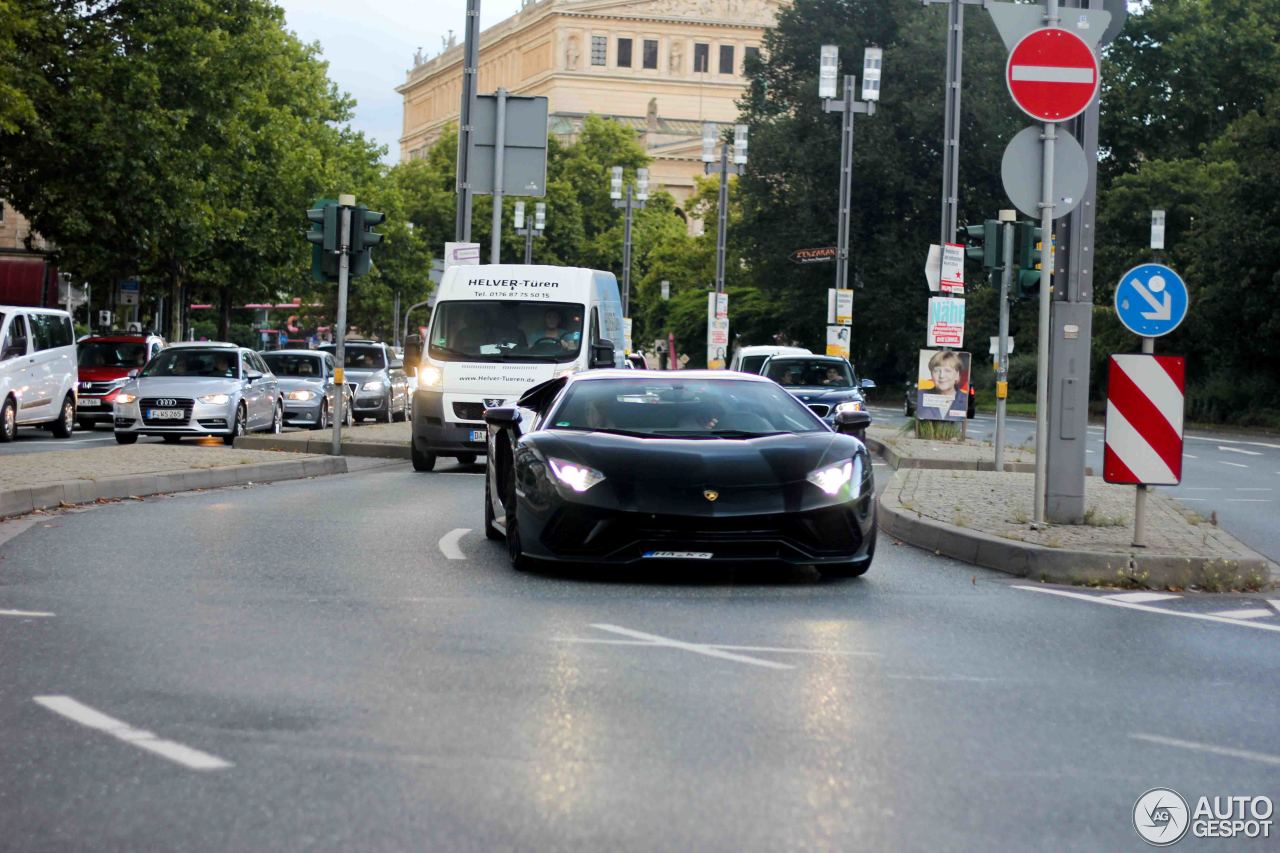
(369, 57)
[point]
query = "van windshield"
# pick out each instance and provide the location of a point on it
(489, 330)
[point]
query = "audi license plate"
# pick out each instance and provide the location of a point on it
(86, 402)
(478, 435)
(166, 414)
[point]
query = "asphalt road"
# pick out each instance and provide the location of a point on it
(1233, 476)
(37, 439)
(347, 663)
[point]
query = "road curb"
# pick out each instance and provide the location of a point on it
(897, 460)
(20, 501)
(1061, 565)
(321, 445)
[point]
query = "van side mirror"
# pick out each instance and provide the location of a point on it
(601, 354)
(412, 352)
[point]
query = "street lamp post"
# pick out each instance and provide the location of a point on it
(631, 201)
(724, 168)
(828, 68)
(534, 230)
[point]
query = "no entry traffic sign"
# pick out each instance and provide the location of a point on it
(1143, 440)
(1052, 74)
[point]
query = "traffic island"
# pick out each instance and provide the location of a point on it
(901, 449)
(984, 518)
(32, 481)
(383, 441)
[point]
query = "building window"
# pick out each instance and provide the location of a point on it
(701, 57)
(599, 49)
(624, 53)
(650, 53)
(750, 55)
(726, 59)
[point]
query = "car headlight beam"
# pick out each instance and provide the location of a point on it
(125, 398)
(832, 478)
(215, 399)
(373, 385)
(430, 377)
(303, 395)
(849, 406)
(575, 476)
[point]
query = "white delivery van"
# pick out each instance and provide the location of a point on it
(751, 359)
(498, 330)
(38, 371)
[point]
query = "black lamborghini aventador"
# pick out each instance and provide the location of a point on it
(628, 467)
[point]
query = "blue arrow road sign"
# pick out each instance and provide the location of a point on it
(1151, 300)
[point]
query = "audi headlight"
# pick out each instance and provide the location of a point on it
(301, 395)
(373, 385)
(215, 399)
(430, 377)
(125, 398)
(575, 476)
(850, 406)
(833, 478)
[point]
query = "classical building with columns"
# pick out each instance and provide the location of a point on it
(663, 67)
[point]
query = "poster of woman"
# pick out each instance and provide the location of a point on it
(942, 376)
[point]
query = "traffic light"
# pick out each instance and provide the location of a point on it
(363, 237)
(1029, 245)
(323, 236)
(983, 243)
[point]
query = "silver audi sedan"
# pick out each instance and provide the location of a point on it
(204, 388)
(307, 384)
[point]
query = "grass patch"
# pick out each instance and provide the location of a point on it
(1094, 518)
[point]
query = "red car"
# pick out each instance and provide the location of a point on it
(105, 364)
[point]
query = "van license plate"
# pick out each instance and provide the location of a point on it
(679, 555)
(478, 435)
(167, 414)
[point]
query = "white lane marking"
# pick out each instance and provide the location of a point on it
(1204, 488)
(1230, 752)
(1090, 451)
(1274, 602)
(1252, 490)
(1142, 597)
(977, 678)
(1232, 464)
(1233, 441)
(70, 445)
(84, 715)
(24, 613)
(1192, 500)
(696, 648)
(722, 646)
(449, 543)
(1102, 599)
(1238, 450)
(1244, 613)
(1189, 456)
(1248, 500)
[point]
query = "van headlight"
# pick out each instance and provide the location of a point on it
(430, 376)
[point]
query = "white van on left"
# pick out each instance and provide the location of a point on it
(38, 372)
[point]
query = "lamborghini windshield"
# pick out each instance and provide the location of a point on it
(506, 330)
(699, 408)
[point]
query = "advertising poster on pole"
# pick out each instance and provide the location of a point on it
(626, 334)
(461, 254)
(942, 382)
(946, 322)
(952, 278)
(838, 340)
(717, 330)
(839, 306)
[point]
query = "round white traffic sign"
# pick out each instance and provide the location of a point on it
(1052, 74)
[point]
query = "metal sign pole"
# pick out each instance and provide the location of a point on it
(626, 256)
(500, 138)
(1140, 496)
(846, 178)
(722, 223)
(466, 120)
(1002, 344)
(340, 327)
(1042, 353)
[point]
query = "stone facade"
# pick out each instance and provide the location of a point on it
(15, 229)
(662, 67)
